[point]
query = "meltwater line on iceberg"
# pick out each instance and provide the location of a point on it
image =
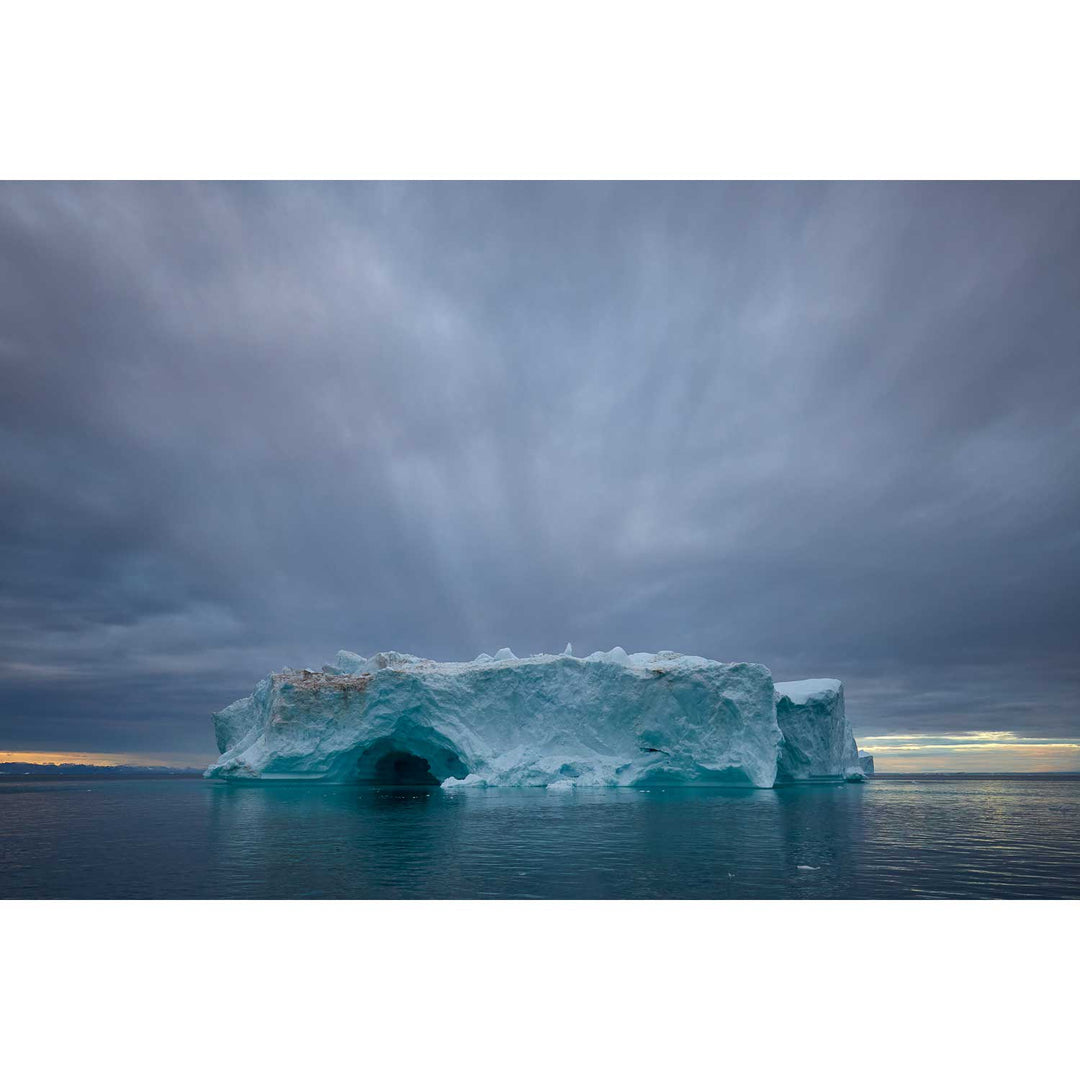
(611, 719)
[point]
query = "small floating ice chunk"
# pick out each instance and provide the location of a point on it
(472, 780)
(803, 866)
(569, 650)
(505, 654)
(483, 658)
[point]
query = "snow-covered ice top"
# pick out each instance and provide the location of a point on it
(350, 663)
(611, 718)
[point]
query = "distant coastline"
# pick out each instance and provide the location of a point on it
(22, 769)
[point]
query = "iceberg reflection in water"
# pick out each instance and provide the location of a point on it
(939, 837)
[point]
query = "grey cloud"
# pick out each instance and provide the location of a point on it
(832, 428)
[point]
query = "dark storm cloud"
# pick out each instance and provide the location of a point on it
(832, 428)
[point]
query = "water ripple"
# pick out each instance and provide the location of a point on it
(947, 838)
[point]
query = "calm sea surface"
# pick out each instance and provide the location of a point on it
(891, 838)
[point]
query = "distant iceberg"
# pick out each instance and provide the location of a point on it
(611, 719)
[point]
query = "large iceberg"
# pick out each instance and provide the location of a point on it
(556, 721)
(817, 740)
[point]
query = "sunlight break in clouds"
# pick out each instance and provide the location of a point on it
(971, 751)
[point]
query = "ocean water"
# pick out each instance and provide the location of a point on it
(892, 838)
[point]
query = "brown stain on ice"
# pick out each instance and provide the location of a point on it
(321, 680)
(315, 682)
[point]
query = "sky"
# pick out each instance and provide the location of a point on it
(831, 428)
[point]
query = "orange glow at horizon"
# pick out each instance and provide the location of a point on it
(81, 757)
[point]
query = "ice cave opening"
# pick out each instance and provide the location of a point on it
(392, 763)
(397, 767)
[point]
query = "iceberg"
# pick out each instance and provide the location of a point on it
(817, 740)
(866, 763)
(610, 719)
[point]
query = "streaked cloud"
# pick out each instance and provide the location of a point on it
(973, 739)
(829, 427)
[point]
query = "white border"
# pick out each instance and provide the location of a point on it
(520, 989)
(568, 89)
